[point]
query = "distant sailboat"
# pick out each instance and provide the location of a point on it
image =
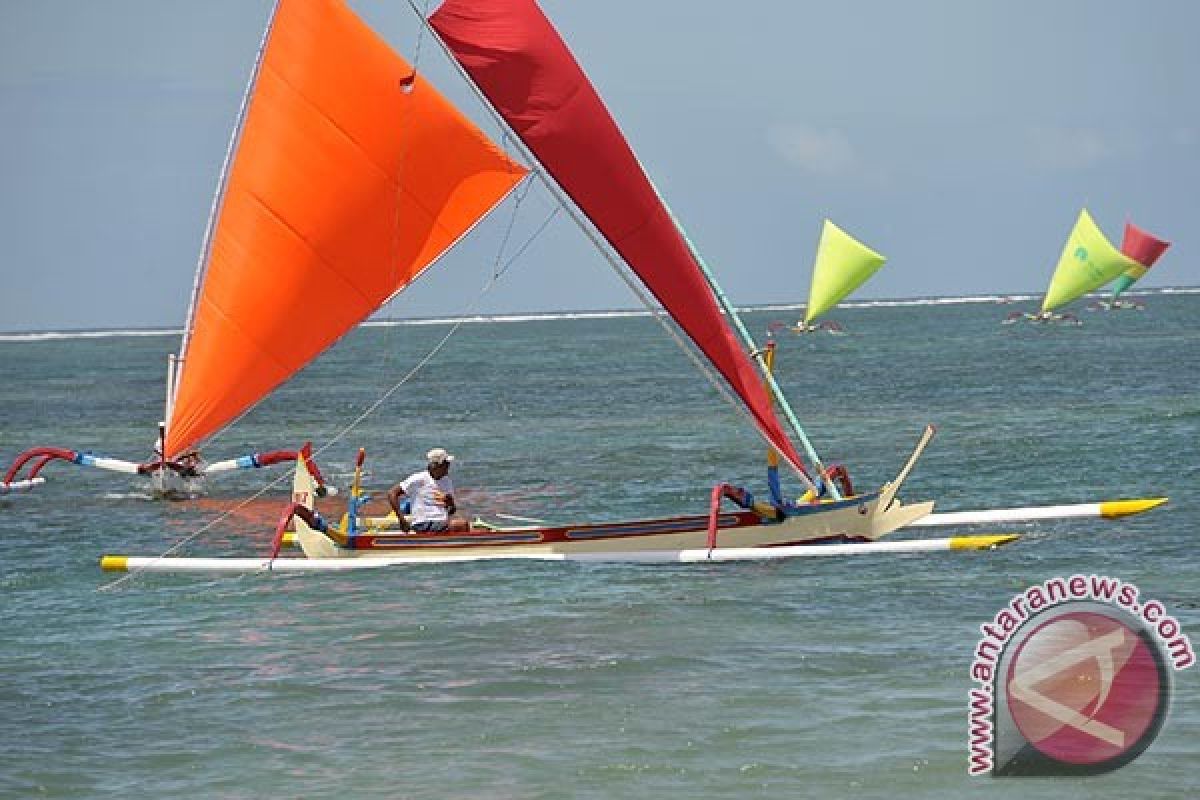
(843, 264)
(1144, 248)
(327, 208)
(1088, 261)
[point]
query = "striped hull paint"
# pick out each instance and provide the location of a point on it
(856, 519)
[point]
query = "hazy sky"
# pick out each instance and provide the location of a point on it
(958, 138)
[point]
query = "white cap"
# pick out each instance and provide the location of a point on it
(438, 455)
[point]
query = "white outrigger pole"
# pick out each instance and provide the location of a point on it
(179, 564)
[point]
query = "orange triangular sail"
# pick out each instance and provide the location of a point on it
(350, 177)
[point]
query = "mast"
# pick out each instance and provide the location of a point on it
(172, 366)
(178, 363)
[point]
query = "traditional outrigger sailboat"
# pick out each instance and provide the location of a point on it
(1088, 261)
(1144, 248)
(843, 264)
(512, 54)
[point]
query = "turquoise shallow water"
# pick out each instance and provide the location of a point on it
(809, 678)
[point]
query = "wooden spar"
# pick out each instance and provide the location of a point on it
(114, 563)
(1110, 509)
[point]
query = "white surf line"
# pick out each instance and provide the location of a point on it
(1110, 509)
(698, 555)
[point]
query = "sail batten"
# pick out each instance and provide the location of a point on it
(351, 176)
(521, 65)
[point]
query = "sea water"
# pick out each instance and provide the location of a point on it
(805, 678)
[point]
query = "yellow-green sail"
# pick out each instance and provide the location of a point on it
(1088, 261)
(843, 263)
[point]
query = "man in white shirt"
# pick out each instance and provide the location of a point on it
(431, 493)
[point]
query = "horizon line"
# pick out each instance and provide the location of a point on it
(46, 334)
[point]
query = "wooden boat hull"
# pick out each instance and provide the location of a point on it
(857, 519)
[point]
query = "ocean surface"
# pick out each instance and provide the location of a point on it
(805, 678)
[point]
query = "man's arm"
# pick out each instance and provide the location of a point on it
(394, 496)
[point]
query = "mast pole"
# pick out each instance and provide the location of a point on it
(755, 351)
(172, 362)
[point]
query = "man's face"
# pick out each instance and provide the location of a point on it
(439, 470)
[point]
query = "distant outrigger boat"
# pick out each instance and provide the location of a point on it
(1144, 248)
(843, 264)
(1088, 261)
(514, 57)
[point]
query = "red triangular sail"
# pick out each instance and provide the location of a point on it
(521, 64)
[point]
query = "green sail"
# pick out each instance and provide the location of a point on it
(1088, 261)
(843, 263)
(1127, 279)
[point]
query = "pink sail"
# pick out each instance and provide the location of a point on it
(521, 64)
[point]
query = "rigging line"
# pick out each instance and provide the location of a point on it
(468, 313)
(463, 318)
(406, 116)
(420, 39)
(502, 265)
(518, 197)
